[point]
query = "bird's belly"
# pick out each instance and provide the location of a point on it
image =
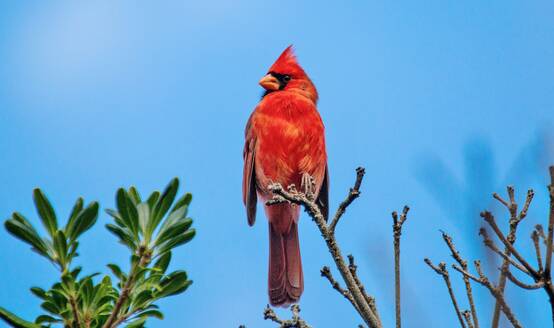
(284, 155)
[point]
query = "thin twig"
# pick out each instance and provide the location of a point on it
(492, 246)
(295, 322)
(326, 272)
(547, 274)
(352, 195)
(489, 218)
(369, 299)
(548, 262)
(397, 233)
(483, 280)
(511, 256)
(521, 284)
(467, 316)
(528, 199)
(443, 272)
(540, 231)
(501, 200)
(535, 237)
(542, 276)
(515, 218)
(463, 263)
(269, 314)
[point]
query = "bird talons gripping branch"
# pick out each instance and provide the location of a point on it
(308, 186)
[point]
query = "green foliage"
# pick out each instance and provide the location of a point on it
(137, 223)
(150, 229)
(14, 321)
(60, 246)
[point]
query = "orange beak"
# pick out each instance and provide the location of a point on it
(270, 83)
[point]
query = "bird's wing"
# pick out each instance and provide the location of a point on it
(323, 196)
(249, 196)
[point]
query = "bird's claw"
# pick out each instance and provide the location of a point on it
(308, 186)
(292, 188)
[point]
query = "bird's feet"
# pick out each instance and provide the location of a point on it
(308, 186)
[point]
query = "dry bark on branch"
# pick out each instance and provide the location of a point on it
(443, 272)
(370, 299)
(494, 290)
(295, 322)
(467, 317)
(511, 257)
(398, 221)
(326, 272)
(463, 263)
(515, 218)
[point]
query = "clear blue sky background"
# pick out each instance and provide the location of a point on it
(443, 102)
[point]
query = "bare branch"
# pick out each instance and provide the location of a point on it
(483, 280)
(326, 272)
(295, 322)
(442, 271)
(530, 195)
(397, 233)
(542, 276)
(492, 246)
(352, 195)
(511, 256)
(269, 314)
(548, 262)
(467, 316)
(540, 232)
(454, 252)
(515, 218)
(398, 221)
(466, 273)
(512, 197)
(369, 299)
(501, 200)
(521, 284)
(463, 263)
(535, 237)
(489, 218)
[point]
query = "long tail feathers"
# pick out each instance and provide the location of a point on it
(286, 281)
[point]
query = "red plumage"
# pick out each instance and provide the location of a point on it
(284, 141)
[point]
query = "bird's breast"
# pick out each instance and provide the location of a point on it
(289, 140)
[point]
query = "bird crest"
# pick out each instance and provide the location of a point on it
(287, 64)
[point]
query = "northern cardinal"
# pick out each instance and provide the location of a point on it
(284, 144)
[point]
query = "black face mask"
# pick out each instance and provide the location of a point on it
(283, 79)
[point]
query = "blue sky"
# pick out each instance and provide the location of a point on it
(442, 102)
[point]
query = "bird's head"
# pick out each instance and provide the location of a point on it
(287, 75)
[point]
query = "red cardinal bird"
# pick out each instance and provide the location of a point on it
(285, 143)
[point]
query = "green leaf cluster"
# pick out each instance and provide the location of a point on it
(60, 245)
(150, 229)
(156, 225)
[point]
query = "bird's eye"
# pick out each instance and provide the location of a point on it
(286, 78)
